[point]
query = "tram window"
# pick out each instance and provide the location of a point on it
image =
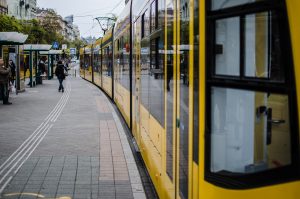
(145, 24)
(227, 46)
(221, 4)
(156, 87)
(250, 131)
(262, 46)
(153, 16)
(170, 92)
(145, 72)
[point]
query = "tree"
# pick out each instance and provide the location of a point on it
(9, 24)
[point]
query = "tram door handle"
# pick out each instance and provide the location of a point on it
(270, 122)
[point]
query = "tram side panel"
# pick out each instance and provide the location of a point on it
(122, 63)
(81, 54)
(149, 100)
(88, 63)
(107, 62)
(97, 63)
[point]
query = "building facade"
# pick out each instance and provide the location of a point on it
(3, 7)
(67, 29)
(22, 9)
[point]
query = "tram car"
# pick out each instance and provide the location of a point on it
(209, 90)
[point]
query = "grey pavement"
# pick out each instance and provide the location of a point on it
(65, 145)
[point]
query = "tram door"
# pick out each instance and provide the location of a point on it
(180, 94)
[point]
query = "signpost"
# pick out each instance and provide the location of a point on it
(55, 45)
(73, 51)
(64, 47)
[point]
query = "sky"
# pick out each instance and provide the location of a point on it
(84, 12)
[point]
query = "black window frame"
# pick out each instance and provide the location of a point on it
(153, 28)
(143, 25)
(272, 176)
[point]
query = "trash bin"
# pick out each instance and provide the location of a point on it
(39, 78)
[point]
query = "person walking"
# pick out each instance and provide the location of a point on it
(4, 78)
(60, 74)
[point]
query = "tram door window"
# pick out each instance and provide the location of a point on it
(251, 100)
(184, 84)
(156, 87)
(196, 84)
(170, 139)
(145, 61)
(221, 4)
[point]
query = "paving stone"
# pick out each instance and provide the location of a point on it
(83, 154)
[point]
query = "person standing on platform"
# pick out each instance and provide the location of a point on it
(12, 67)
(4, 78)
(60, 74)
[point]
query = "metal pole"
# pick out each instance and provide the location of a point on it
(52, 63)
(36, 67)
(18, 70)
(30, 68)
(49, 76)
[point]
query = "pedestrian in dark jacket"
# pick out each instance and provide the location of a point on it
(4, 77)
(60, 74)
(12, 67)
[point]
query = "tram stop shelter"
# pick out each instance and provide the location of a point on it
(51, 60)
(33, 50)
(10, 43)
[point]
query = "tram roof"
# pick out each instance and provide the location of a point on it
(12, 38)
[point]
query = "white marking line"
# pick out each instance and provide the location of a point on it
(60, 104)
(44, 126)
(38, 129)
(5, 184)
(41, 139)
(61, 107)
(21, 146)
(43, 135)
(28, 141)
(33, 149)
(55, 107)
(1, 180)
(22, 149)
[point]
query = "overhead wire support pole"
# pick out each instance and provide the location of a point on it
(105, 23)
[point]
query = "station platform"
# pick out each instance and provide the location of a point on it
(65, 145)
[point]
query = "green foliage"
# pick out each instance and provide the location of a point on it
(9, 24)
(45, 32)
(38, 32)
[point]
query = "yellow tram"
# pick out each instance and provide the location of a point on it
(209, 90)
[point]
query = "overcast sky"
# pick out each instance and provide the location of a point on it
(84, 12)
